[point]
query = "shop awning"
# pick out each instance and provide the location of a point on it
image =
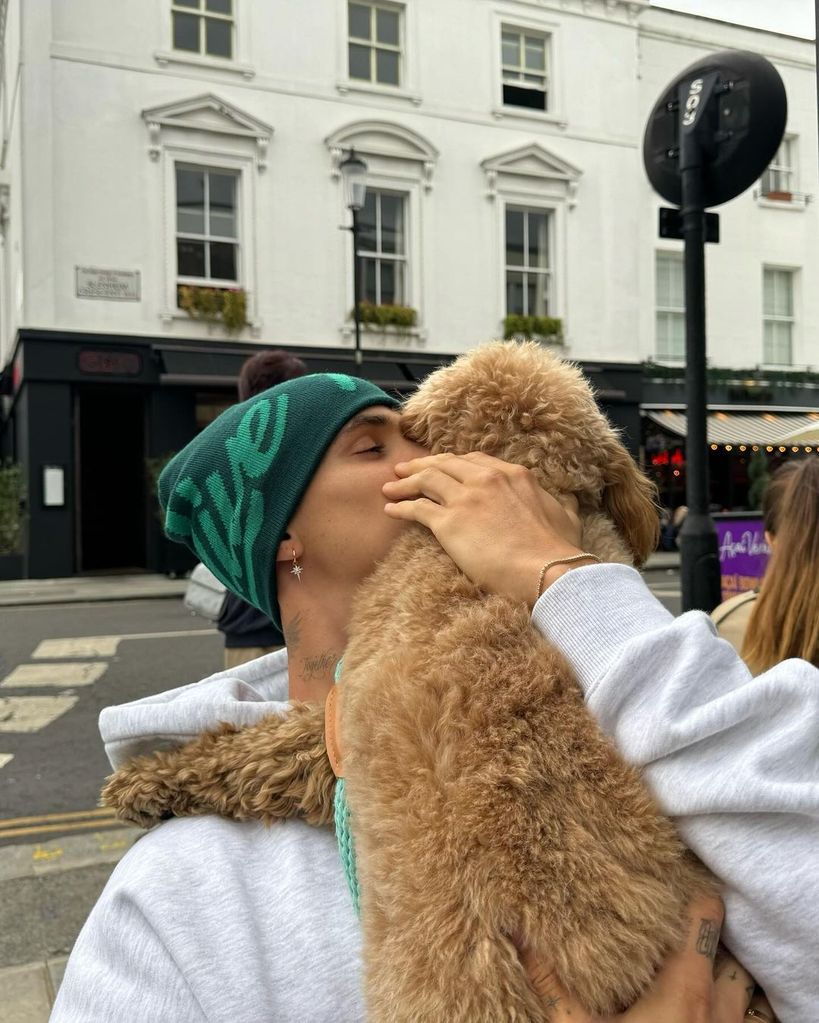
(775, 428)
(805, 435)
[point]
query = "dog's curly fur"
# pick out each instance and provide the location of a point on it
(487, 805)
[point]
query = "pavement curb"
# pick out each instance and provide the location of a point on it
(89, 589)
(662, 560)
(107, 845)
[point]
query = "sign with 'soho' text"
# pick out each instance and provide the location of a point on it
(743, 553)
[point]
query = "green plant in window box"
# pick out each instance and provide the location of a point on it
(402, 317)
(12, 502)
(214, 305)
(546, 329)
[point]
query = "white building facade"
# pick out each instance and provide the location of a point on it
(187, 151)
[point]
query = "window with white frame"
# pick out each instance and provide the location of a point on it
(205, 27)
(374, 43)
(670, 306)
(779, 180)
(528, 263)
(525, 68)
(207, 234)
(382, 246)
(777, 317)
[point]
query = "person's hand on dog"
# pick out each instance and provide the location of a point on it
(686, 990)
(490, 516)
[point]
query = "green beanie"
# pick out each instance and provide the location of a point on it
(231, 493)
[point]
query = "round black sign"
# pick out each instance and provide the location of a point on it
(736, 105)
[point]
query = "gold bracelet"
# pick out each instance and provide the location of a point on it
(561, 561)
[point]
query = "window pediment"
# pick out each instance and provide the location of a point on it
(206, 113)
(533, 166)
(384, 140)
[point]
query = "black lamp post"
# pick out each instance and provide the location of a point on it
(354, 172)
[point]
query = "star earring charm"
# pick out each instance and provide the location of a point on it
(296, 570)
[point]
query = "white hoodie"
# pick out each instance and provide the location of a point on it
(208, 919)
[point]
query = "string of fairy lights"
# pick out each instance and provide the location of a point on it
(768, 447)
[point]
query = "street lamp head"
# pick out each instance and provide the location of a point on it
(354, 172)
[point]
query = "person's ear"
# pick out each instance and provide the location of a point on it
(769, 539)
(290, 544)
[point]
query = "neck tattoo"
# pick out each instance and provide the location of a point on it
(320, 665)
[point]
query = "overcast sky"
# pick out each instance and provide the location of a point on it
(793, 17)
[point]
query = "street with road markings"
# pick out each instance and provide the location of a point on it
(59, 665)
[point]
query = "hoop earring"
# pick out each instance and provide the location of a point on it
(296, 570)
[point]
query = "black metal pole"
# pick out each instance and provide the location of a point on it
(699, 569)
(357, 295)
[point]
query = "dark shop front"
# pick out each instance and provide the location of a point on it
(92, 420)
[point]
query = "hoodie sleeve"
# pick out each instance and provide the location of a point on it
(120, 969)
(731, 757)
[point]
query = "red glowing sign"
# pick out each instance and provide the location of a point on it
(675, 457)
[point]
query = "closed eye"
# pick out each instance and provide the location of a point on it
(378, 448)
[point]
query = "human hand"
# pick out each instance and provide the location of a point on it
(686, 990)
(490, 516)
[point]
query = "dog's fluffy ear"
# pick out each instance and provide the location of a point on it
(630, 499)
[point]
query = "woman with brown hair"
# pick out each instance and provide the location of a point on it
(781, 620)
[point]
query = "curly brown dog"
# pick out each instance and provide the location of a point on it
(486, 804)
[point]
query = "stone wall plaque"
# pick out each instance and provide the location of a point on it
(109, 285)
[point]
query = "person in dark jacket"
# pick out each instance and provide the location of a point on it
(249, 633)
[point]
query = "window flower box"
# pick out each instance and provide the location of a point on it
(227, 306)
(543, 329)
(401, 317)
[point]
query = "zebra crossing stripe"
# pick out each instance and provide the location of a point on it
(72, 673)
(31, 713)
(5, 758)
(103, 646)
(80, 646)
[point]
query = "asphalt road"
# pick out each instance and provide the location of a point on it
(51, 784)
(58, 768)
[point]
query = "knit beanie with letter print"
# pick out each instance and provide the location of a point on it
(230, 494)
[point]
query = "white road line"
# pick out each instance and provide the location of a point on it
(104, 646)
(72, 673)
(4, 759)
(31, 713)
(82, 646)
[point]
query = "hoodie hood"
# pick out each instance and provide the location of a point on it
(231, 745)
(240, 696)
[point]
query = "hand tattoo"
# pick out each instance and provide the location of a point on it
(708, 938)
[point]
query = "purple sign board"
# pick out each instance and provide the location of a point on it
(743, 552)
